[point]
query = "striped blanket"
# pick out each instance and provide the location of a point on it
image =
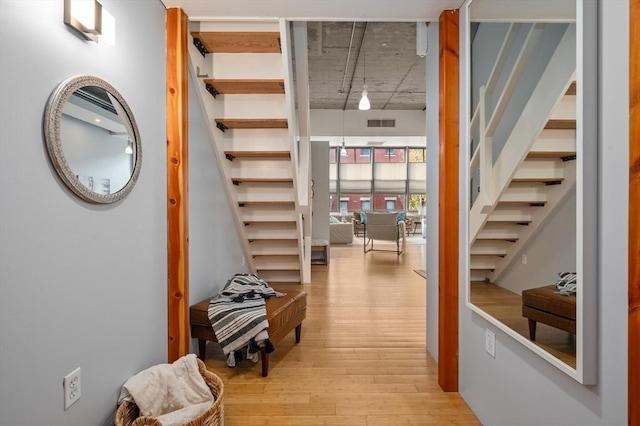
(238, 313)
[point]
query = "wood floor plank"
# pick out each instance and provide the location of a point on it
(361, 360)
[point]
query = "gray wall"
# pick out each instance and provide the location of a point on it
(433, 157)
(81, 285)
(520, 388)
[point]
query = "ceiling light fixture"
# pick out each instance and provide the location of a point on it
(84, 16)
(364, 104)
(129, 148)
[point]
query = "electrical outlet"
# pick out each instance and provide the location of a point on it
(72, 388)
(490, 342)
(524, 259)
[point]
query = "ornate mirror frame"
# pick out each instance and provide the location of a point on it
(585, 371)
(52, 126)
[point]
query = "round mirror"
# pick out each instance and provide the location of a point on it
(93, 139)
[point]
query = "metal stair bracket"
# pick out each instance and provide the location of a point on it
(200, 46)
(214, 92)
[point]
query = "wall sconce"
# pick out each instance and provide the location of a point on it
(84, 16)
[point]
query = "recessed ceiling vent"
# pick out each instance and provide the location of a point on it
(375, 143)
(381, 123)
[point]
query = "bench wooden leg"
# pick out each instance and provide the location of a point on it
(298, 332)
(202, 348)
(264, 356)
(532, 330)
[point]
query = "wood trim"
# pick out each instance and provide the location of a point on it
(634, 213)
(240, 42)
(247, 86)
(253, 123)
(177, 185)
(561, 124)
(448, 203)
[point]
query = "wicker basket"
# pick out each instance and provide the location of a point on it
(128, 413)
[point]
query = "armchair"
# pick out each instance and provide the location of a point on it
(358, 225)
(384, 227)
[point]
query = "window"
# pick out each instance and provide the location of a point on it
(332, 156)
(390, 204)
(417, 203)
(365, 152)
(389, 155)
(417, 155)
(344, 204)
(365, 204)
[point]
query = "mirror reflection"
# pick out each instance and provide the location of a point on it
(97, 140)
(92, 139)
(522, 219)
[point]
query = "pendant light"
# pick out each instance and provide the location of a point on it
(343, 149)
(129, 148)
(364, 104)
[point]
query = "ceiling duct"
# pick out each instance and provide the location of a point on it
(381, 123)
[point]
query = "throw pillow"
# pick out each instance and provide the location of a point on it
(363, 217)
(400, 217)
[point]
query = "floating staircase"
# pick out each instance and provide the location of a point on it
(243, 83)
(538, 184)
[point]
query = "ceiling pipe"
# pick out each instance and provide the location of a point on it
(346, 66)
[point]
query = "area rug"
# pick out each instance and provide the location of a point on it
(421, 272)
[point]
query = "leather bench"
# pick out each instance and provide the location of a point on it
(283, 313)
(545, 305)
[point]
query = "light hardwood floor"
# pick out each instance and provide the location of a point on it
(362, 358)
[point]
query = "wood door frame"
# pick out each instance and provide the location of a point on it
(634, 215)
(448, 210)
(177, 185)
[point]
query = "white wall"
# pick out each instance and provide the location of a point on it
(433, 157)
(81, 285)
(320, 202)
(520, 388)
(328, 122)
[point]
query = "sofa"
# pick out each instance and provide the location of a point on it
(340, 232)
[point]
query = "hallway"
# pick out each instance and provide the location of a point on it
(362, 358)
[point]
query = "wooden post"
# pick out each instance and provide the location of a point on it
(177, 185)
(448, 203)
(634, 213)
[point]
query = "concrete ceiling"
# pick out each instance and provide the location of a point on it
(395, 74)
(342, 54)
(384, 36)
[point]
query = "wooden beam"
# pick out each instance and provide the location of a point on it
(177, 184)
(448, 203)
(634, 213)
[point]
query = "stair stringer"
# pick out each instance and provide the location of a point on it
(298, 131)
